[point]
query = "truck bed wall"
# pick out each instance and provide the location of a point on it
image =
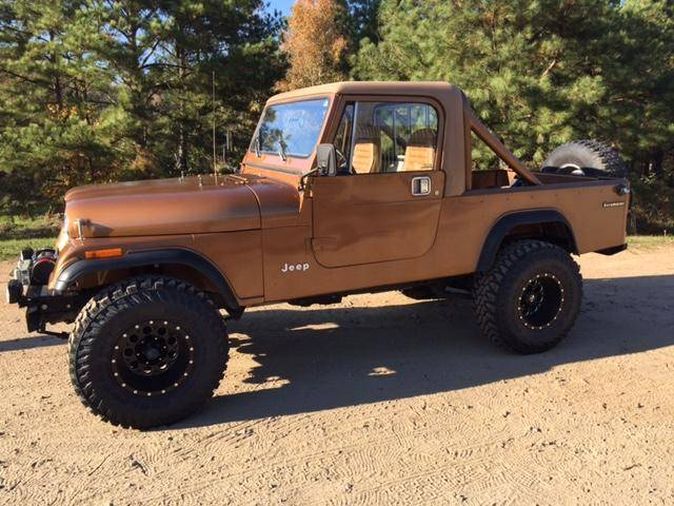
(464, 224)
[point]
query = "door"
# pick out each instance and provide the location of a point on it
(384, 204)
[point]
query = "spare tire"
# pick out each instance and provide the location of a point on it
(585, 158)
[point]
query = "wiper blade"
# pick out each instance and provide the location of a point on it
(256, 145)
(282, 151)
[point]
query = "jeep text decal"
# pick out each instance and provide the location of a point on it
(295, 267)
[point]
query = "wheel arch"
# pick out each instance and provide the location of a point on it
(545, 224)
(181, 263)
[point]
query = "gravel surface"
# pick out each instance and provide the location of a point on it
(377, 400)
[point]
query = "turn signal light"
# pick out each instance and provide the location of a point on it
(103, 253)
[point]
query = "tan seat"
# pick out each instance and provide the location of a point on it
(366, 152)
(420, 151)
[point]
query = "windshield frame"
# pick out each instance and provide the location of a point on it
(252, 148)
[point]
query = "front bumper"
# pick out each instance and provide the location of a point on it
(43, 306)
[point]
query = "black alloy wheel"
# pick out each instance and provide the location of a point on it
(540, 301)
(153, 357)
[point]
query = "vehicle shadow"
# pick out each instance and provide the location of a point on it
(29, 343)
(320, 359)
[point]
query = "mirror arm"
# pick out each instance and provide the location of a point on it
(303, 179)
(326, 164)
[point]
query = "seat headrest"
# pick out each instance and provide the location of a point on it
(424, 137)
(367, 133)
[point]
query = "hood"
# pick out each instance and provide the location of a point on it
(194, 205)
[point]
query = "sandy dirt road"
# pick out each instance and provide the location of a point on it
(378, 400)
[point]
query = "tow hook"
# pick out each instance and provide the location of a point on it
(14, 293)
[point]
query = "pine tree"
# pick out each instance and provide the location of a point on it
(169, 54)
(51, 91)
(102, 90)
(363, 18)
(538, 73)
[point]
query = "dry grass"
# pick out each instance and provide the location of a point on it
(649, 241)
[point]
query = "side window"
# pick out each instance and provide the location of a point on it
(387, 137)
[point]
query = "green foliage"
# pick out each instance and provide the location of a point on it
(545, 72)
(17, 233)
(363, 19)
(10, 248)
(100, 90)
(13, 227)
(653, 205)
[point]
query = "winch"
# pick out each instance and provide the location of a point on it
(32, 270)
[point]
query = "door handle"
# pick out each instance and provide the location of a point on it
(421, 185)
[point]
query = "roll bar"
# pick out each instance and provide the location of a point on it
(476, 126)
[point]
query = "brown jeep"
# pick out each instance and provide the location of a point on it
(345, 188)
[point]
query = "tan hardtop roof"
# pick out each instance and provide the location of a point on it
(421, 88)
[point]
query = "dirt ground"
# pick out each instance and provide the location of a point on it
(378, 400)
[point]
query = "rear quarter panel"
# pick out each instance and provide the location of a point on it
(596, 213)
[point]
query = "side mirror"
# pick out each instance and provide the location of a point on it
(326, 160)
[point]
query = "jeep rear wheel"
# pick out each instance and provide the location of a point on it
(530, 298)
(147, 351)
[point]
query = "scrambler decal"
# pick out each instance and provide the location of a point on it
(295, 267)
(618, 203)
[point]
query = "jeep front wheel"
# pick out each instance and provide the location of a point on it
(530, 298)
(147, 351)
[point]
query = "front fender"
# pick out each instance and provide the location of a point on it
(152, 258)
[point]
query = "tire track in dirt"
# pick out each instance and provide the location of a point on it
(453, 422)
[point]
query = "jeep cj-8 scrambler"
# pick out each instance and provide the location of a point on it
(345, 188)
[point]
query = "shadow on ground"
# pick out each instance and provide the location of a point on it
(30, 342)
(323, 358)
(329, 358)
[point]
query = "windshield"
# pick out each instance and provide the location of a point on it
(291, 129)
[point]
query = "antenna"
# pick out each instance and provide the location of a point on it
(215, 166)
(227, 146)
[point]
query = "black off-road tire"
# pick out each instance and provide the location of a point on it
(172, 304)
(499, 296)
(586, 157)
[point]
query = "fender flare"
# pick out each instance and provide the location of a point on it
(149, 258)
(506, 223)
